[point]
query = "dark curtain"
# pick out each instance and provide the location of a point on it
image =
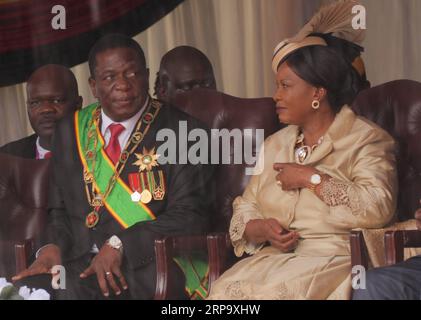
(28, 40)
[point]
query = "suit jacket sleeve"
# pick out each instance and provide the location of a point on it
(369, 200)
(58, 230)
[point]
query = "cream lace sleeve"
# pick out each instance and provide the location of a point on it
(338, 193)
(369, 199)
(245, 208)
(244, 211)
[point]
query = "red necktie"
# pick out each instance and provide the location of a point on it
(48, 155)
(113, 149)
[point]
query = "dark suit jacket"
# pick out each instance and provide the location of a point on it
(184, 210)
(24, 148)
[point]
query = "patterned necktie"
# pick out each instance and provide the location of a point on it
(113, 148)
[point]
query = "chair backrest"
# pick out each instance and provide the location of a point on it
(221, 111)
(23, 197)
(396, 107)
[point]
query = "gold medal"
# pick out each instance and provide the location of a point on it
(92, 219)
(145, 196)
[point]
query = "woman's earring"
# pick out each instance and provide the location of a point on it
(315, 104)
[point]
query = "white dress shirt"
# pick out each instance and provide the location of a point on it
(128, 124)
(40, 152)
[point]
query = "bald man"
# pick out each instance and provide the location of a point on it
(182, 69)
(52, 94)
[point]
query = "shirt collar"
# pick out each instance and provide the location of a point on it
(128, 124)
(40, 151)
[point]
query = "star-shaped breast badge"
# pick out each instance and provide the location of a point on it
(146, 160)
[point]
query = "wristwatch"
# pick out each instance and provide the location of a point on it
(115, 243)
(315, 180)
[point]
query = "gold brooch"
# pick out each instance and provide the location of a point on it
(146, 160)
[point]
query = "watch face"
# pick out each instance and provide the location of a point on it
(115, 242)
(315, 179)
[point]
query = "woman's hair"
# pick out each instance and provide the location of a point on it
(324, 67)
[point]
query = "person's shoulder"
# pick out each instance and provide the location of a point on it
(24, 147)
(278, 138)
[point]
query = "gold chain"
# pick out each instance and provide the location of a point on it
(97, 199)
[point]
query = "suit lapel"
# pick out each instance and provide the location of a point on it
(340, 127)
(30, 149)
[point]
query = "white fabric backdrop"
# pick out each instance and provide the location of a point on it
(239, 35)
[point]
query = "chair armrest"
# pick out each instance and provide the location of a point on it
(395, 242)
(359, 255)
(218, 246)
(23, 250)
(165, 250)
(14, 255)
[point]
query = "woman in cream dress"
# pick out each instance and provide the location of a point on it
(328, 172)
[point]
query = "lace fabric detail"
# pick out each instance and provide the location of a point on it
(338, 193)
(237, 228)
(293, 289)
(234, 290)
(245, 290)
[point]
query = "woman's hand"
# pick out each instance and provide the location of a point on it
(262, 230)
(292, 176)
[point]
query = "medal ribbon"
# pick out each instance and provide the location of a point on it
(118, 202)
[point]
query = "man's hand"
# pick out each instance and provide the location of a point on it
(106, 264)
(48, 258)
(262, 230)
(292, 176)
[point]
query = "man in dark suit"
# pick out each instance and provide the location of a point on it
(182, 69)
(52, 94)
(110, 197)
(401, 281)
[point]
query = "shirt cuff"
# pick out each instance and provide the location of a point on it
(40, 249)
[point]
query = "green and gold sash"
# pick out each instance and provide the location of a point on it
(119, 203)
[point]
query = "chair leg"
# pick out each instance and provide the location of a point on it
(394, 247)
(359, 255)
(163, 252)
(217, 256)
